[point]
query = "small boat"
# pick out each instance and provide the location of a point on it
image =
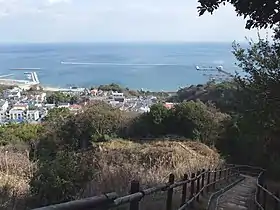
(209, 68)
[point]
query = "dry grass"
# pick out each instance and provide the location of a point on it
(15, 173)
(119, 162)
(150, 163)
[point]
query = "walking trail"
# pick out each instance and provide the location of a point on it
(239, 197)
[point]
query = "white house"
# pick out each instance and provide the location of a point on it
(40, 97)
(63, 105)
(117, 94)
(4, 105)
(13, 94)
(144, 109)
(3, 109)
(32, 115)
(16, 114)
(20, 106)
(50, 106)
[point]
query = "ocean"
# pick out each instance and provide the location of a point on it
(151, 66)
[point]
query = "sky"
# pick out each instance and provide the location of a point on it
(117, 21)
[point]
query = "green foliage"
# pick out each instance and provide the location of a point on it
(252, 135)
(111, 87)
(97, 122)
(197, 120)
(194, 120)
(59, 97)
(259, 13)
(57, 115)
(5, 87)
(16, 133)
(61, 179)
(222, 95)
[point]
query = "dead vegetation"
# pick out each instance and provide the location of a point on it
(151, 163)
(119, 162)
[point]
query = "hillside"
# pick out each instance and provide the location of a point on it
(151, 162)
(118, 162)
(221, 94)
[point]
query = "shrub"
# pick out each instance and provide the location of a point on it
(61, 179)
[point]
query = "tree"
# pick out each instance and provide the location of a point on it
(96, 122)
(111, 87)
(261, 13)
(257, 126)
(157, 120)
(62, 179)
(56, 115)
(198, 121)
(58, 97)
(73, 99)
(19, 133)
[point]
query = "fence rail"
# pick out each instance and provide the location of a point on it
(264, 198)
(192, 188)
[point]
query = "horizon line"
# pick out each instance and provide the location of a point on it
(123, 42)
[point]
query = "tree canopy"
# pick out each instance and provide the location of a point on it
(58, 97)
(259, 13)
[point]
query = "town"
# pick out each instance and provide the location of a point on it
(31, 106)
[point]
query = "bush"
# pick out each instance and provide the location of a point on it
(61, 179)
(13, 134)
(193, 120)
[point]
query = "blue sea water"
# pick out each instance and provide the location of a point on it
(172, 65)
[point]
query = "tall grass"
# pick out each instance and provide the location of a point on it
(119, 162)
(15, 173)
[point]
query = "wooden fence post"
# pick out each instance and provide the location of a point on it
(134, 188)
(226, 174)
(215, 177)
(198, 185)
(208, 180)
(184, 190)
(276, 204)
(238, 172)
(170, 192)
(220, 173)
(192, 187)
(202, 181)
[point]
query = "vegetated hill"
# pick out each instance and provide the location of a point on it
(221, 94)
(118, 162)
(150, 162)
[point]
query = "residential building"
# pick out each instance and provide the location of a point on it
(40, 97)
(75, 107)
(169, 105)
(13, 94)
(15, 114)
(144, 109)
(4, 105)
(20, 106)
(63, 105)
(32, 115)
(117, 94)
(94, 92)
(50, 106)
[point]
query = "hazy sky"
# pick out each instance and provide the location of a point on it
(116, 20)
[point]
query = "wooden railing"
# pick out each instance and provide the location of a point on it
(264, 198)
(192, 188)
